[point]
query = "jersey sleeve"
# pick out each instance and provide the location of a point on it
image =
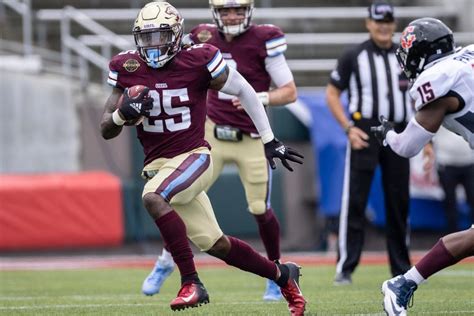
(209, 57)
(341, 75)
(112, 80)
(275, 41)
(216, 65)
(433, 84)
(123, 68)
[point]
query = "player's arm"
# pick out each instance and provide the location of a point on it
(130, 108)
(108, 128)
(421, 128)
(231, 82)
(280, 73)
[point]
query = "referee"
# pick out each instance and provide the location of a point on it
(376, 86)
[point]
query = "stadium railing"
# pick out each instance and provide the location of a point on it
(107, 40)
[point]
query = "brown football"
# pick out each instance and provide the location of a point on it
(133, 92)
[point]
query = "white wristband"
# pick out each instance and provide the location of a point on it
(267, 137)
(264, 97)
(117, 119)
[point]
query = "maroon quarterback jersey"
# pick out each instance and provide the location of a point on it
(179, 89)
(246, 53)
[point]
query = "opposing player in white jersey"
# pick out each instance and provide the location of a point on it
(443, 91)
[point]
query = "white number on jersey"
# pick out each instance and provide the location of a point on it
(195, 46)
(158, 125)
(131, 51)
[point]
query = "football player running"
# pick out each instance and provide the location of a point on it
(178, 165)
(256, 51)
(443, 91)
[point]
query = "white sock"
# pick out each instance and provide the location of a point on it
(166, 257)
(414, 276)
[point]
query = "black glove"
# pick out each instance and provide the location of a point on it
(381, 131)
(276, 149)
(135, 107)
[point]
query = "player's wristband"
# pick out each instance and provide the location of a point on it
(267, 137)
(264, 97)
(118, 120)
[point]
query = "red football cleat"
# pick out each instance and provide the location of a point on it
(291, 291)
(190, 295)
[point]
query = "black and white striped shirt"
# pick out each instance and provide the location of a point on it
(375, 82)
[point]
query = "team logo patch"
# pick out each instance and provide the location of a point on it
(172, 11)
(407, 38)
(204, 36)
(131, 65)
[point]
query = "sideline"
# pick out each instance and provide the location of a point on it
(202, 261)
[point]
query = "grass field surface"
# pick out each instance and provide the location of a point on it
(116, 291)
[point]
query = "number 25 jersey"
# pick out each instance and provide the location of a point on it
(179, 89)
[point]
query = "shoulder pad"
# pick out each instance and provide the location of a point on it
(118, 61)
(208, 55)
(126, 62)
(203, 32)
(434, 82)
(273, 37)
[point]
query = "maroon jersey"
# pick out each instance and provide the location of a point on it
(246, 53)
(176, 123)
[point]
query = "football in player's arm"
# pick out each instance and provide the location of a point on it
(443, 90)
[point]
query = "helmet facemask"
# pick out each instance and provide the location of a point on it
(158, 31)
(219, 10)
(411, 63)
(158, 46)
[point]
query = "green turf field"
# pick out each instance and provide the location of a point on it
(232, 292)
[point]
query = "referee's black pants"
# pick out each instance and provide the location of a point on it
(360, 169)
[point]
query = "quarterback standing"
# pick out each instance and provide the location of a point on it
(178, 165)
(443, 91)
(256, 51)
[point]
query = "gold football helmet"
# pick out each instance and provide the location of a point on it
(217, 5)
(158, 30)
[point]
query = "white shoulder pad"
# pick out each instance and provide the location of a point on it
(435, 82)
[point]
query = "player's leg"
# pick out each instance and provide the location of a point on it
(163, 268)
(255, 175)
(178, 180)
(205, 233)
(164, 265)
(447, 251)
(239, 254)
(395, 180)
